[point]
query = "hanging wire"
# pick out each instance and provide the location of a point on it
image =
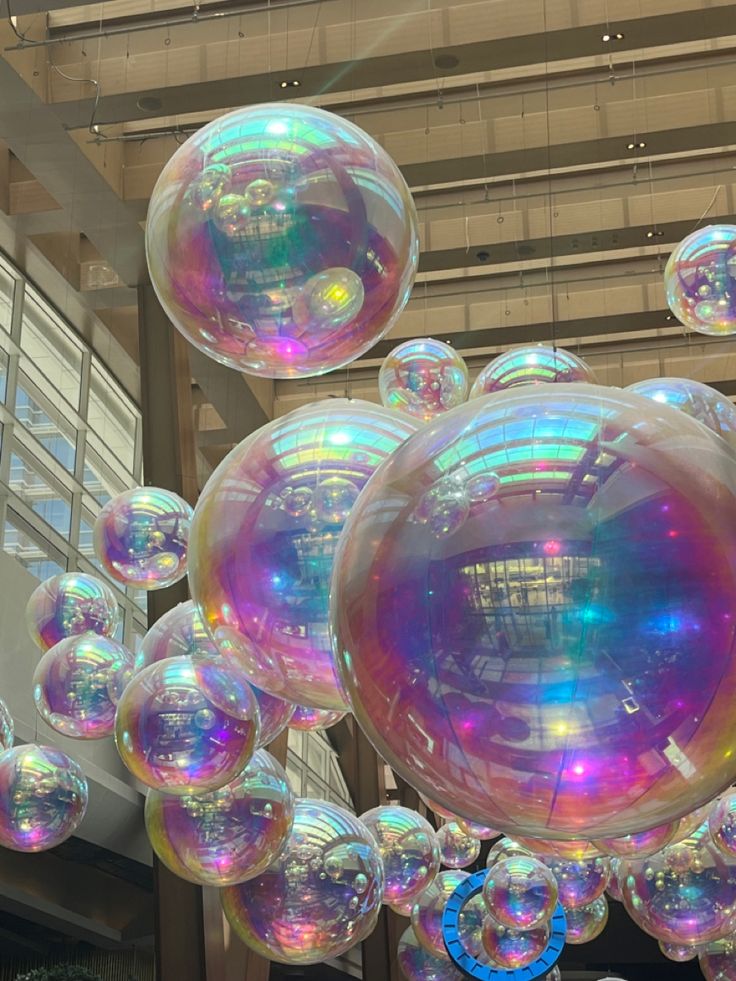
(435, 73)
(550, 215)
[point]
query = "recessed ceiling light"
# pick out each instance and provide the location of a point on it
(654, 233)
(638, 145)
(149, 103)
(618, 36)
(290, 83)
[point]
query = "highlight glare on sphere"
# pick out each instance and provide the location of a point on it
(282, 240)
(423, 378)
(179, 631)
(187, 725)
(534, 364)
(700, 280)
(286, 490)
(520, 892)
(513, 949)
(78, 683)
(69, 604)
(526, 667)
(585, 923)
(7, 727)
(418, 964)
(579, 883)
(409, 850)
(320, 897)
(722, 824)
(706, 404)
(426, 916)
(141, 537)
(457, 849)
(227, 836)
(43, 797)
(308, 719)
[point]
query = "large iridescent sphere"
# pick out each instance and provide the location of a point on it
(680, 953)
(7, 727)
(68, 604)
(227, 836)
(409, 849)
(722, 824)
(417, 964)
(717, 961)
(480, 831)
(457, 849)
(639, 845)
(535, 364)
(586, 922)
(423, 378)
(287, 491)
(141, 537)
(526, 665)
(700, 401)
(78, 683)
(43, 797)
(308, 719)
(275, 715)
(180, 631)
(685, 894)
(580, 883)
(187, 725)
(505, 848)
(700, 280)
(320, 897)
(426, 916)
(512, 949)
(520, 892)
(282, 240)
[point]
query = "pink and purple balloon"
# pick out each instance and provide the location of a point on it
(409, 849)
(423, 378)
(43, 797)
(417, 964)
(141, 537)
(722, 824)
(520, 892)
(680, 953)
(187, 725)
(320, 897)
(179, 631)
(7, 727)
(308, 719)
(513, 949)
(69, 604)
(282, 240)
(457, 849)
(579, 883)
(700, 280)
(535, 364)
(426, 916)
(78, 683)
(585, 923)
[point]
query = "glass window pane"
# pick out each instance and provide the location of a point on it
(7, 290)
(3, 369)
(98, 482)
(51, 350)
(37, 493)
(57, 437)
(37, 556)
(111, 419)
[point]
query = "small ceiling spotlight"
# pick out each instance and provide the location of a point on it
(290, 83)
(607, 38)
(654, 233)
(636, 146)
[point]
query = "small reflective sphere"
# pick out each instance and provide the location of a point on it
(586, 922)
(78, 683)
(480, 831)
(282, 240)
(417, 964)
(423, 378)
(685, 894)
(478, 656)
(7, 727)
(180, 631)
(613, 889)
(426, 916)
(320, 897)
(505, 848)
(702, 402)
(520, 892)
(580, 883)
(717, 961)
(470, 929)
(275, 715)
(68, 604)
(700, 280)
(229, 835)
(457, 849)
(691, 822)
(277, 491)
(535, 364)
(43, 797)
(309, 719)
(639, 845)
(680, 953)
(513, 949)
(141, 537)
(187, 725)
(409, 849)
(722, 824)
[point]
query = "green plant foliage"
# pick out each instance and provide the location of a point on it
(62, 972)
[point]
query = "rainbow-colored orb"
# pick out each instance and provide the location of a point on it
(457, 849)
(417, 964)
(679, 953)
(513, 949)
(480, 831)
(423, 378)
(722, 824)
(520, 892)
(409, 849)
(535, 364)
(706, 404)
(585, 923)
(426, 915)
(579, 883)
(700, 280)
(282, 240)
(69, 604)
(179, 631)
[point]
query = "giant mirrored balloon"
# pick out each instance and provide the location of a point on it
(700, 280)
(538, 661)
(287, 491)
(535, 364)
(282, 240)
(68, 604)
(423, 378)
(409, 849)
(706, 404)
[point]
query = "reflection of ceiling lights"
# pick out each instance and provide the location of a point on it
(290, 83)
(612, 37)
(636, 146)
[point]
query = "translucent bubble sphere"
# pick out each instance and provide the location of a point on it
(717, 961)
(423, 378)
(722, 824)
(426, 916)
(700, 401)
(409, 849)
(43, 797)
(680, 953)
(179, 631)
(282, 240)
(505, 848)
(229, 835)
(457, 849)
(78, 683)
(691, 822)
(526, 664)
(520, 892)
(579, 883)
(639, 845)
(700, 280)
(685, 894)
(417, 964)
(308, 719)
(532, 365)
(320, 897)
(141, 537)
(7, 727)
(68, 604)
(513, 949)
(287, 490)
(480, 831)
(187, 725)
(613, 889)
(585, 923)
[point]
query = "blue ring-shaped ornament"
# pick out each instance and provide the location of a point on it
(472, 968)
